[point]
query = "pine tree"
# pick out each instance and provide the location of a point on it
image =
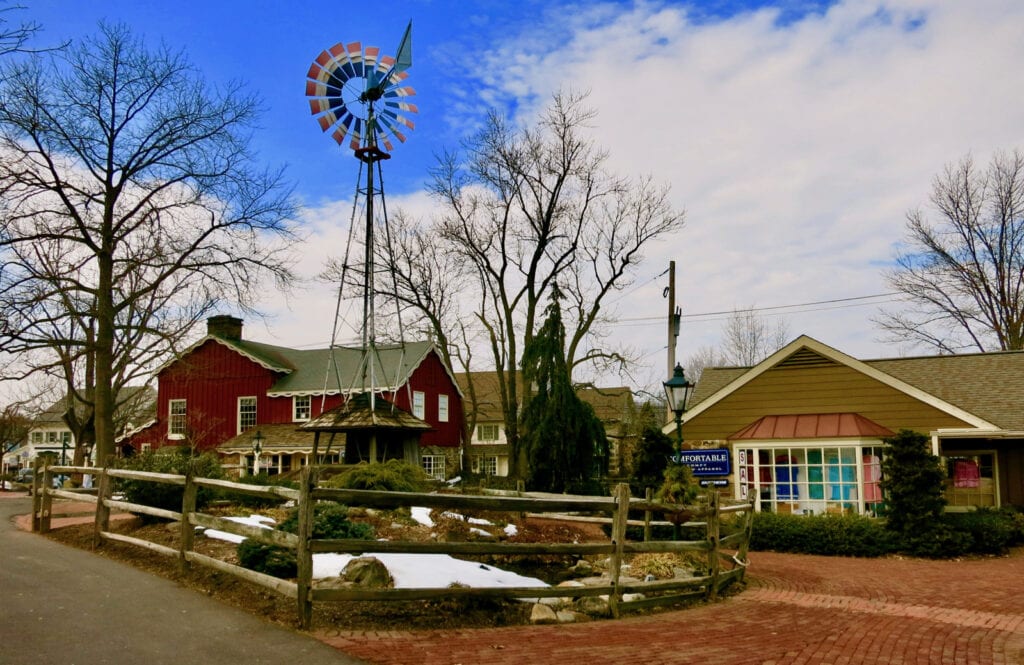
(912, 479)
(563, 438)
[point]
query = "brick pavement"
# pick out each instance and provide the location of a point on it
(796, 610)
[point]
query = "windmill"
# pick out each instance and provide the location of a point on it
(359, 96)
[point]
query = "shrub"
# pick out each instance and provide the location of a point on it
(840, 535)
(162, 495)
(262, 480)
(652, 457)
(330, 520)
(991, 531)
(390, 476)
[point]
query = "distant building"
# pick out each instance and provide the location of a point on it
(487, 451)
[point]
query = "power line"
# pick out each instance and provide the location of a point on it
(730, 312)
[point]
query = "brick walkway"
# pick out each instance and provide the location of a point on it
(797, 609)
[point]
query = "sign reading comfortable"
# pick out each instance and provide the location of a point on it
(711, 462)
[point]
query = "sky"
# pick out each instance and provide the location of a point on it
(796, 135)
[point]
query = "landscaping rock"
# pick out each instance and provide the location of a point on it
(367, 572)
(568, 616)
(594, 606)
(583, 568)
(542, 614)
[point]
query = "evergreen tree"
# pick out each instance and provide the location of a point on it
(652, 455)
(563, 438)
(912, 478)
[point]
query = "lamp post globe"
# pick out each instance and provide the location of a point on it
(678, 391)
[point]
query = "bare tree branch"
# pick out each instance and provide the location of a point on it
(962, 275)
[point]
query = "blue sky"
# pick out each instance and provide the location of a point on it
(795, 135)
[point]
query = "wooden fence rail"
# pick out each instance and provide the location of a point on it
(719, 548)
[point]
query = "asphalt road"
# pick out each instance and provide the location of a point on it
(67, 606)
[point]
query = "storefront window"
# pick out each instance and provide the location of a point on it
(808, 480)
(970, 479)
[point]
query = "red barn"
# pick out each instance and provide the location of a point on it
(223, 390)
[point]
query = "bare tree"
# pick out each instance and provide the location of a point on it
(526, 209)
(701, 359)
(962, 274)
(132, 208)
(748, 338)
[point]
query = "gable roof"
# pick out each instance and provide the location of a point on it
(942, 382)
(311, 372)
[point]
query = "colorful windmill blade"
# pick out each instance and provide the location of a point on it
(345, 81)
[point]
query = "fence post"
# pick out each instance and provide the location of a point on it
(46, 505)
(714, 538)
(648, 497)
(37, 498)
(748, 531)
(619, 520)
(104, 490)
(304, 558)
(188, 506)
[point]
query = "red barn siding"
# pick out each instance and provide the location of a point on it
(433, 380)
(212, 377)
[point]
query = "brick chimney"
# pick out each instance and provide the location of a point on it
(225, 327)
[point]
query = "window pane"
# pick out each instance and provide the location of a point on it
(246, 413)
(442, 408)
(418, 404)
(302, 407)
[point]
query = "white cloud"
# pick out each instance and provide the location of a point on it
(795, 147)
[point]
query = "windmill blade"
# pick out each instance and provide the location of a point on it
(337, 85)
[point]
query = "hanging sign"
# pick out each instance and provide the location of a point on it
(709, 462)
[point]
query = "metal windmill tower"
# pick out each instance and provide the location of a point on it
(359, 96)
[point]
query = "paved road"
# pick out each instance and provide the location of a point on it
(67, 606)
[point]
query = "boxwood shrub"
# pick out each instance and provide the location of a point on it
(330, 520)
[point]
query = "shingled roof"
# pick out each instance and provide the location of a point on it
(988, 385)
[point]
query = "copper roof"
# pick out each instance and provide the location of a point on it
(812, 426)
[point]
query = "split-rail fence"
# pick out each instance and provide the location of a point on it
(727, 531)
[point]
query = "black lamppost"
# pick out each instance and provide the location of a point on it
(678, 391)
(257, 447)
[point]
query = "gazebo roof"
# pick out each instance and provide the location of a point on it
(357, 415)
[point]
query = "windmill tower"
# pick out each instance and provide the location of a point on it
(359, 96)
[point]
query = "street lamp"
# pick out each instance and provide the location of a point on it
(678, 391)
(257, 447)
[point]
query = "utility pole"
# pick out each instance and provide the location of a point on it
(674, 316)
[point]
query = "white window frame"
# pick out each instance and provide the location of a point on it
(749, 471)
(488, 441)
(442, 408)
(419, 404)
(37, 438)
(296, 417)
(145, 447)
(434, 466)
(176, 422)
(246, 425)
(485, 464)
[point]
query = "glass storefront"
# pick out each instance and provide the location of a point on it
(811, 479)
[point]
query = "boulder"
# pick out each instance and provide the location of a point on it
(367, 572)
(594, 606)
(542, 614)
(568, 616)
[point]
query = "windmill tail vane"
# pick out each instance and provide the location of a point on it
(359, 95)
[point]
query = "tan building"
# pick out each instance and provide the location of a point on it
(487, 452)
(805, 426)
